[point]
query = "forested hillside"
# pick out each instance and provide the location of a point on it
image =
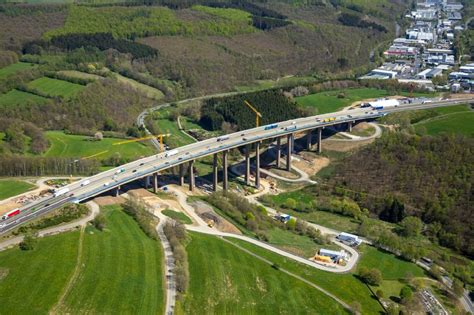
(429, 177)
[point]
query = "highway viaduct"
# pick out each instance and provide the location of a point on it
(185, 157)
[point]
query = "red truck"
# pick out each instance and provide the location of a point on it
(11, 214)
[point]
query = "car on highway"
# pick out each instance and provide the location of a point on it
(106, 184)
(134, 171)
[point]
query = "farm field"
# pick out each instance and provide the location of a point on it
(224, 279)
(178, 216)
(149, 91)
(15, 67)
(78, 146)
(56, 87)
(348, 288)
(121, 273)
(37, 276)
(9, 188)
(79, 74)
(17, 97)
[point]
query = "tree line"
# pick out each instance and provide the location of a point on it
(102, 41)
(272, 104)
(17, 165)
(349, 19)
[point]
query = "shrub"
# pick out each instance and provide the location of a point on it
(370, 276)
(99, 222)
(29, 241)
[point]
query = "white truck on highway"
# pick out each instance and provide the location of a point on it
(85, 183)
(61, 192)
(171, 153)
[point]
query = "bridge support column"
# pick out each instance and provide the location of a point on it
(225, 166)
(278, 153)
(320, 144)
(117, 191)
(247, 165)
(309, 137)
(289, 144)
(146, 181)
(349, 126)
(181, 174)
(215, 173)
(191, 175)
(257, 165)
(155, 182)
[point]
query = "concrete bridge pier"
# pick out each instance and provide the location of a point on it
(117, 191)
(155, 182)
(215, 173)
(247, 165)
(278, 153)
(349, 126)
(320, 144)
(191, 175)
(257, 165)
(146, 182)
(289, 144)
(181, 174)
(309, 137)
(225, 166)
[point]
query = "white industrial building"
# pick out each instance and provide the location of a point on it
(350, 239)
(429, 73)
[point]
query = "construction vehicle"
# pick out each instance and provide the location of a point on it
(325, 259)
(257, 113)
(210, 223)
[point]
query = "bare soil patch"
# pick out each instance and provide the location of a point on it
(207, 213)
(109, 200)
(310, 162)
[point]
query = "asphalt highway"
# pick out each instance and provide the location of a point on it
(105, 181)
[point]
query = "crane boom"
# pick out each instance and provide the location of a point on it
(257, 113)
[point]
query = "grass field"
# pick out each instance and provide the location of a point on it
(149, 91)
(328, 101)
(9, 188)
(457, 122)
(345, 286)
(178, 216)
(392, 268)
(36, 278)
(226, 280)
(56, 87)
(16, 97)
(177, 138)
(15, 67)
(121, 273)
(77, 146)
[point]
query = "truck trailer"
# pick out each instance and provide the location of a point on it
(10, 214)
(61, 192)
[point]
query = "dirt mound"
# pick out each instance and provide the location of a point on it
(207, 213)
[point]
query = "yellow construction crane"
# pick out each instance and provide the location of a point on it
(160, 136)
(257, 113)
